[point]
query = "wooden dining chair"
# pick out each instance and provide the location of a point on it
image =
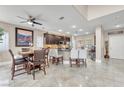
(56, 58)
(39, 60)
(21, 62)
(82, 56)
(74, 57)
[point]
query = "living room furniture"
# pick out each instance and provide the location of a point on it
(39, 60)
(56, 58)
(82, 56)
(74, 57)
(21, 62)
(78, 56)
(28, 54)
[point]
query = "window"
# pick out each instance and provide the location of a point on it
(4, 45)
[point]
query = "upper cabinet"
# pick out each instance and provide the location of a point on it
(55, 39)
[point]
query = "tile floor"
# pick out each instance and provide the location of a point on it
(106, 74)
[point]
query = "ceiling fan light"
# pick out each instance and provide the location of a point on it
(29, 22)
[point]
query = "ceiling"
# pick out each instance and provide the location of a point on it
(49, 16)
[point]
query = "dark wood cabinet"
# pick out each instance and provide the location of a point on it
(55, 39)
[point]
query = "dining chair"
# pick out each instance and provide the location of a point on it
(56, 58)
(82, 56)
(73, 57)
(21, 62)
(39, 60)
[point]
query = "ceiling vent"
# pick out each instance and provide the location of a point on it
(61, 18)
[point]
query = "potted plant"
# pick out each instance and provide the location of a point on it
(106, 50)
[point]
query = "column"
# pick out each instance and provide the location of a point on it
(99, 44)
(73, 42)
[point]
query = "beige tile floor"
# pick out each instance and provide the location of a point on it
(106, 74)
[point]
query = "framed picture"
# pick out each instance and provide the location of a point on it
(24, 37)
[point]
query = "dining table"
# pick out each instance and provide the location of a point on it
(29, 54)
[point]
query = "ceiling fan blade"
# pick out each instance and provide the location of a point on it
(32, 25)
(37, 23)
(23, 22)
(21, 18)
(33, 19)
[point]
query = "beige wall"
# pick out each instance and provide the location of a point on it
(4, 56)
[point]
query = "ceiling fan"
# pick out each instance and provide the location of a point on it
(30, 20)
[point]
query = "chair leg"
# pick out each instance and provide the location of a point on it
(13, 72)
(53, 60)
(70, 63)
(44, 70)
(57, 61)
(85, 63)
(62, 60)
(39, 67)
(29, 68)
(79, 64)
(47, 63)
(50, 59)
(33, 72)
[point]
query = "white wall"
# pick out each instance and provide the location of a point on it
(95, 11)
(116, 46)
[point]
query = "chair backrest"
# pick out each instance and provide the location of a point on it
(82, 54)
(55, 52)
(39, 55)
(10, 51)
(46, 51)
(50, 52)
(74, 53)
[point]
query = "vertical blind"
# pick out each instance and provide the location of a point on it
(4, 45)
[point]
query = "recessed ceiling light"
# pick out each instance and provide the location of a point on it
(86, 32)
(117, 26)
(80, 30)
(68, 32)
(73, 26)
(75, 34)
(60, 30)
(29, 22)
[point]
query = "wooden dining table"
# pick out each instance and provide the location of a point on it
(27, 54)
(30, 55)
